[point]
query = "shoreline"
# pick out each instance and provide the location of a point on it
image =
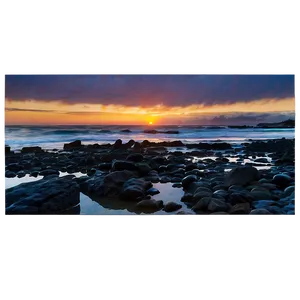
(126, 172)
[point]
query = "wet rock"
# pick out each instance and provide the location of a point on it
(149, 205)
(217, 205)
(134, 188)
(240, 209)
(10, 174)
(263, 203)
(240, 197)
(15, 167)
(202, 204)
(34, 174)
(49, 172)
(187, 197)
(152, 191)
(120, 165)
(165, 179)
(241, 176)
(7, 149)
(143, 168)
(172, 206)
(186, 181)
(21, 174)
(117, 144)
(135, 157)
(288, 191)
(282, 180)
(261, 160)
(201, 194)
(31, 149)
(176, 185)
(260, 211)
(45, 196)
(73, 145)
(260, 195)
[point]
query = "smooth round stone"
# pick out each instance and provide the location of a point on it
(216, 205)
(10, 174)
(186, 181)
(21, 174)
(259, 211)
(260, 189)
(176, 185)
(172, 206)
(187, 197)
(263, 203)
(236, 188)
(201, 194)
(282, 180)
(288, 191)
(203, 189)
(260, 195)
(152, 191)
(264, 180)
(240, 209)
(202, 204)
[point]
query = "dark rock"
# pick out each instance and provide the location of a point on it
(217, 205)
(15, 167)
(152, 191)
(134, 188)
(260, 211)
(202, 204)
(240, 197)
(7, 149)
(186, 181)
(105, 166)
(49, 172)
(73, 145)
(117, 144)
(143, 168)
(149, 205)
(10, 174)
(282, 180)
(34, 174)
(260, 195)
(187, 198)
(288, 191)
(119, 165)
(261, 160)
(165, 179)
(240, 209)
(31, 149)
(241, 176)
(135, 157)
(125, 130)
(21, 174)
(45, 196)
(172, 206)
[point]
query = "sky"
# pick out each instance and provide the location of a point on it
(144, 99)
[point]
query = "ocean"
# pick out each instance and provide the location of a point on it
(49, 137)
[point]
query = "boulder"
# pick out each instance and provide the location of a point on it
(152, 191)
(259, 211)
(49, 172)
(186, 181)
(73, 145)
(135, 157)
(31, 149)
(120, 165)
(216, 205)
(282, 180)
(15, 167)
(7, 149)
(118, 144)
(149, 205)
(10, 174)
(241, 176)
(240, 209)
(172, 206)
(134, 188)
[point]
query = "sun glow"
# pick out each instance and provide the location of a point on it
(150, 123)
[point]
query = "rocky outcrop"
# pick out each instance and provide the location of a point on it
(241, 176)
(73, 145)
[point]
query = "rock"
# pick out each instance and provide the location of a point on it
(263, 203)
(288, 191)
(165, 179)
(186, 181)
(34, 174)
(240, 197)
(261, 160)
(134, 188)
(15, 167)
(31, 149)
(10, 174)
(241, 176)
(282, 180)
(7, 149)
(125, 130)
(49, 172)
(45, 196)
(240, 209)
(176, 185)
(21, 174)
(135, 157)
(149, 205)
(120, 165)
(217, 205)
(172, 206)
(201, 194)
(260, 211)
(73, 145)
(202, 204)
(143, 168)
(187, 198)
(269, 186)
(152, 191)
(260, 195)
(117, 144)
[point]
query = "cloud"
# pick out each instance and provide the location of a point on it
(28, 110)
(149, 90)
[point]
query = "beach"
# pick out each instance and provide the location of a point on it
(145, 170)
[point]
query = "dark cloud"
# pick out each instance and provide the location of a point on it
(31, 110)
(147, 90)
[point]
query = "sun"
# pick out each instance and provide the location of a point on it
(150, 123)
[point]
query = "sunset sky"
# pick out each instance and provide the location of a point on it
(141, 99)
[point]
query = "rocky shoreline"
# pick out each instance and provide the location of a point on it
(261, 180)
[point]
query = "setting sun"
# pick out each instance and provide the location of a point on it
(150, 123)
